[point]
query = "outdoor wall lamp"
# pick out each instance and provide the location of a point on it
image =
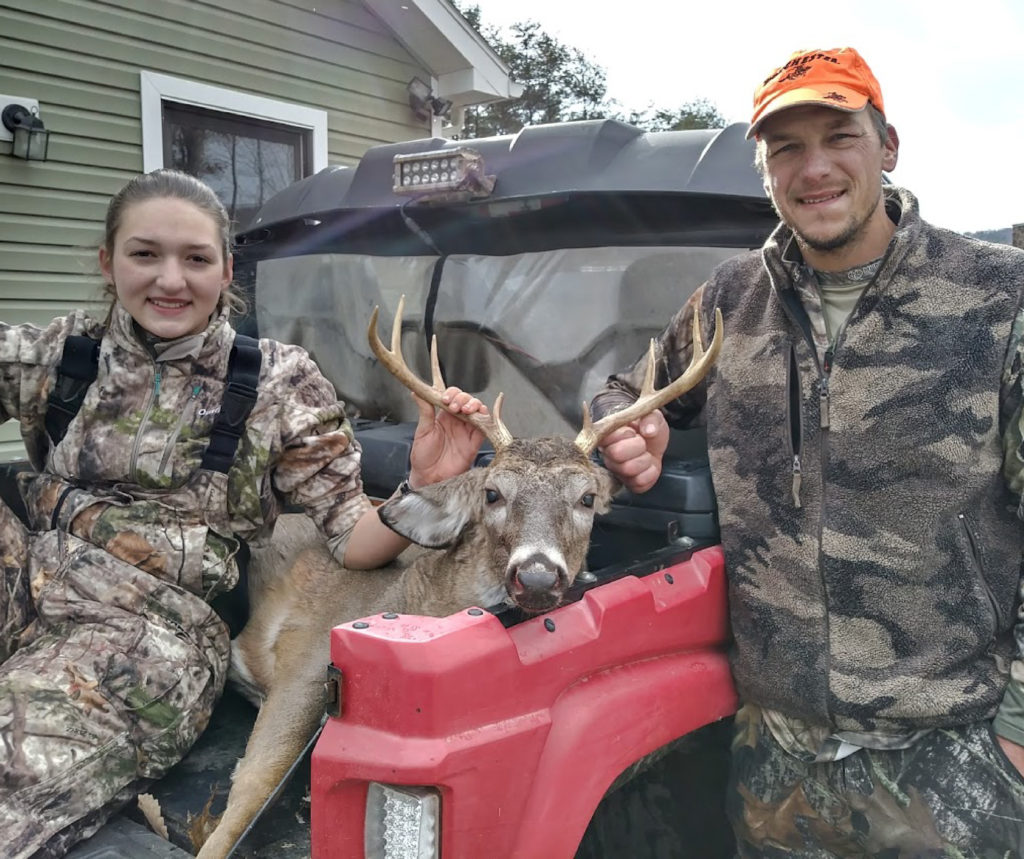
(424, 103)
(31, 139)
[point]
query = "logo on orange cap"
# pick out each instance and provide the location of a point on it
(837, 78)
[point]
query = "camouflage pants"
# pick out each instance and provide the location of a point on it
(953, 794)
(108, 677)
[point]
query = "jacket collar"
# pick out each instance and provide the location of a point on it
(216, 336)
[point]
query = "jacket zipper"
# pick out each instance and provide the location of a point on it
(154, 396)
(172, 440)
(824, 403)
(794, 407)
(979, 569)
(823, 376)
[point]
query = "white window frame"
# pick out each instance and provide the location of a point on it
(155, 88)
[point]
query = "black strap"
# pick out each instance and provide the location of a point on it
(79, 365)
(239, 398)
(431, 303)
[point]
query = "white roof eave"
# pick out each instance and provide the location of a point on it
(464, 67)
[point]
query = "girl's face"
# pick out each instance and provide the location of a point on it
(167, 266)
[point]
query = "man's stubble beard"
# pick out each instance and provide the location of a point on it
(837, 241)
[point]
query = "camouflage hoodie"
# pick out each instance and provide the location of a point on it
(872, 543)
(126, 476)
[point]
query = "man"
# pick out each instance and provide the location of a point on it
(864, 432)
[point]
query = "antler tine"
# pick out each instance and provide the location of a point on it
(651, 399)
(435, 366)
(490, 425)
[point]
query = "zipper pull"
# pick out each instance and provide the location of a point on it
(823, 403)
(156, 386)
(797, 480)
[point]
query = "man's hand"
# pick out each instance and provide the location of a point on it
(443, 445)
(1013, 751)
(633, 453)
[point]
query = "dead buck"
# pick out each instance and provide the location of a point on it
(516, 531)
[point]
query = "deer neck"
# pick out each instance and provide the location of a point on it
(469, 572)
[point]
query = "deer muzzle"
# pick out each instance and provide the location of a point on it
(536, 583)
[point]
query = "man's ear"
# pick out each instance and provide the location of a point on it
(436, 515)
(891, 149)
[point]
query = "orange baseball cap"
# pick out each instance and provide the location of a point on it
(837, 78)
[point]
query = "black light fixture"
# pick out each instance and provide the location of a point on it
(31, 139)
(440, 106)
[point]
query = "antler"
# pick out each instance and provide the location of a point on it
(650, 399)
(490, 425)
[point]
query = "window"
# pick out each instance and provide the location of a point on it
(245, 161)
(246, 147)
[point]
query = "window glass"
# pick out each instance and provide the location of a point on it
(246, 161)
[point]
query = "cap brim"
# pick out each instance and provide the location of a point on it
(835, 97)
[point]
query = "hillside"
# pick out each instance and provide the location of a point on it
(1002, 236)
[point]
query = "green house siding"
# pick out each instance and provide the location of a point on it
(82, 60)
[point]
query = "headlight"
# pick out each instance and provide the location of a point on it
(402, 822)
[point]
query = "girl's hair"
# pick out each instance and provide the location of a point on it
(173, 184)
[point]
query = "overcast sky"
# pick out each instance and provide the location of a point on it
(952, 76)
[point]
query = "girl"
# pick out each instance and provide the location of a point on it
(111, 659)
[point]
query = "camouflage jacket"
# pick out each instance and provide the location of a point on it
(872, 542)
(127, 474)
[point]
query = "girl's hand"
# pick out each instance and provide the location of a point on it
(444, 445)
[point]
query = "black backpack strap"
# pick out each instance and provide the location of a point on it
(79, 365)
(239, 398)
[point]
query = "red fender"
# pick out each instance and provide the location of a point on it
(522, 729)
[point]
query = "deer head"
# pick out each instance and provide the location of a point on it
(524, 521)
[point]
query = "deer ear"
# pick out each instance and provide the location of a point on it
(435, 515)
(609, 484)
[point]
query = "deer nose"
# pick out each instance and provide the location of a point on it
(537, 578)
(537, 573)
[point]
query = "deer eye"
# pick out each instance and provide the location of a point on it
(492, 496)
(587, 500)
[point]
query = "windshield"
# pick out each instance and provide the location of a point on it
(545, 328)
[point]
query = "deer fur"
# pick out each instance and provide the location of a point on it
(514, 532)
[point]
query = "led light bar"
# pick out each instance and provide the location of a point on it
(443, 170)
(402, 822)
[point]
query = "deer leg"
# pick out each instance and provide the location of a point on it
(287, 719)
(249, 675)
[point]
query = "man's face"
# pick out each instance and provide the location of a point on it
(823, 173)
